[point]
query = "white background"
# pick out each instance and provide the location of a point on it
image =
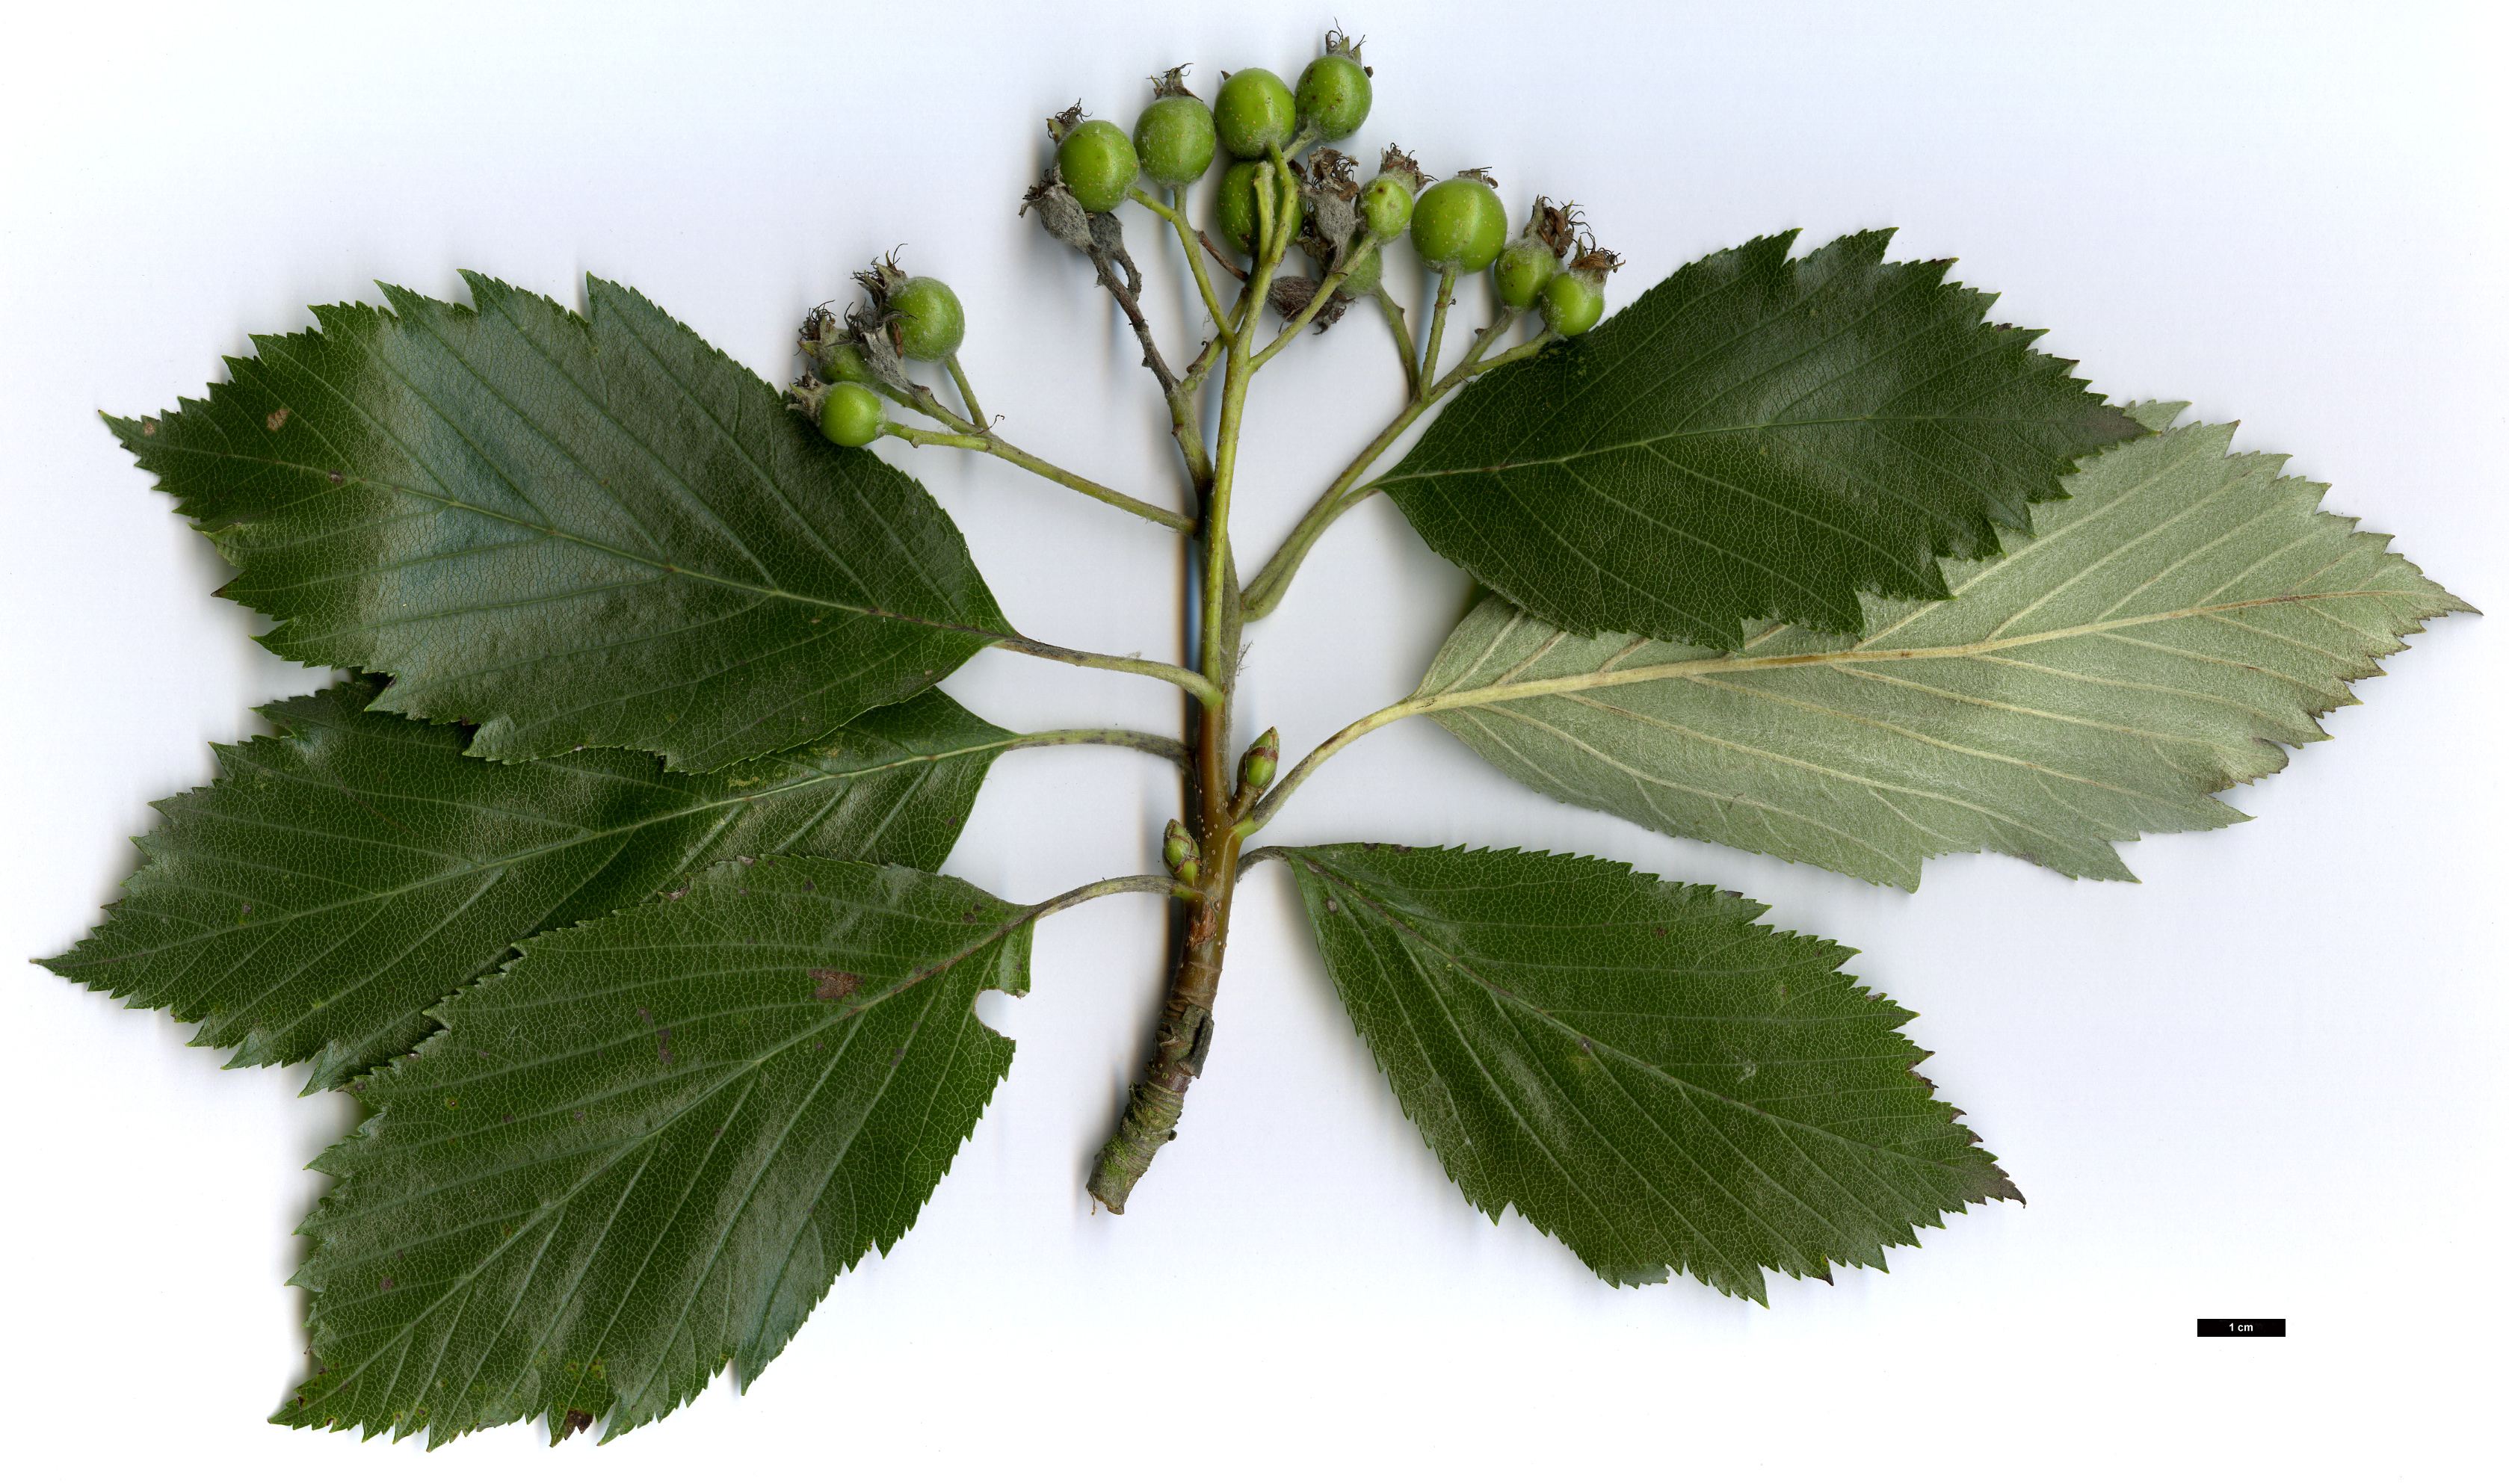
(2267, 1081)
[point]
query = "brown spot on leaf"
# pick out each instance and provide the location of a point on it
(334, 477)
(575, 1423)
(147, 428)
(833, 983)
(275, 421)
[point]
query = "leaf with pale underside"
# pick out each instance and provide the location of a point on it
(1754, 437)
(643, 1151)
(2175, 626)
(572, 532)
(354, 870)
(1637, 1065)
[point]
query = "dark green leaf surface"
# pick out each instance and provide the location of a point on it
(645, 1150)
(348, 873)
(594, 532)
(1754, 437)
(2176, 625)
(1637, 1067)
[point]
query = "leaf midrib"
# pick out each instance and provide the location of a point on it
(1450, 701)
(850, 1018)
(513, 858)
(1651, 439)
(555, 533)
(1503, 998)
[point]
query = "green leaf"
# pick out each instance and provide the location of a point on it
(1752, 438)
(2174, 626)
(1638, 1068)
(645, 1150)
(349, 873)
(575, 533)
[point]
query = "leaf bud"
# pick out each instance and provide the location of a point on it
(1255, 771)
(1183, 856)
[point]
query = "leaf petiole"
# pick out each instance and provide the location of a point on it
(1185, 679)
(1168, 886)
(1167, 749)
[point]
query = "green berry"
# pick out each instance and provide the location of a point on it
(930, 323)
(846, 364)
(1571, 303)
(1176, 140)
(1255, 113)
(1459, 224)
(1237, 219)
(851, 415)
(1385, 206)
(1333, 94)
(1098, 165)
(1520, 272)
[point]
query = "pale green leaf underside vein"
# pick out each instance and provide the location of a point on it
(573, 531)
(2176, 624)
(1637, 1065)
(348, 874)
(643, 1151)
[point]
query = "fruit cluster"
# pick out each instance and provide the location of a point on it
(1457, 226)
